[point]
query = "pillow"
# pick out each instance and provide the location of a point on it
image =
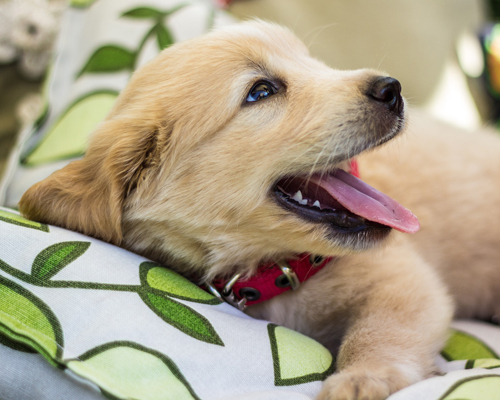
(136, 329)
(101, 43)
(116, 323)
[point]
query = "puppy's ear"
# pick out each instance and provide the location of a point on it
(88, 195)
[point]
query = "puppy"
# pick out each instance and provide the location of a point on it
(199, 163)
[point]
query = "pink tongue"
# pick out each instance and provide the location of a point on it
(367, 202)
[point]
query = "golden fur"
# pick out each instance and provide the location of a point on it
(181, 170)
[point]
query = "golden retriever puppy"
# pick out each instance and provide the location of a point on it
(199, 165)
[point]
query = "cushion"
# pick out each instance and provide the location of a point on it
(84, 317)
(138, 330)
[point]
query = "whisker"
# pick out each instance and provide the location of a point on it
(318, 31)
(382, 60)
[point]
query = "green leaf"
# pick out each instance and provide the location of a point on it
(55, 257)
(485, 363)
(149, 12)
(163, 36)
(475, 388)
(26, 319)
(107, 59)
(15, 345)
(69, 136)
(144, 12)
(175, 285)
(82, 3)
(297, 359)
(16, 219)
(181, 317)
(462, 346)
(129, 370)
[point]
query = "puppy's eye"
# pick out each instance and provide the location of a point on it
(261, 90)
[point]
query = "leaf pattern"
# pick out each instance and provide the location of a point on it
(462, 346)
(143, 12)
(81, 3)
(152, 13)
(109, 58)
(288, 347)
(55, 257)
(27, 319)
(182, 317)
(132, 371)
(163, 36)
(475, 388)
(485, 363)
(80, 118)
(16, 219)
(171, 283)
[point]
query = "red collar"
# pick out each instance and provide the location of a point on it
(271, 279)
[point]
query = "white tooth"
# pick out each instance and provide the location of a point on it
(297, 196)
(316, 204)
(303, 202)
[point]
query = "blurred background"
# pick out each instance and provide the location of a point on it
(445, 53)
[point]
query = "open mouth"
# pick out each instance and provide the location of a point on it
(344, 202)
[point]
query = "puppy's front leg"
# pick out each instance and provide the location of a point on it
(395, 331)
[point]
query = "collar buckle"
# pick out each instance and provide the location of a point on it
(227, 294)
(289, 273)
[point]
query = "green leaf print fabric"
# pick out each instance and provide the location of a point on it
(476, 388)
(462, 346)
(138, 372)
(138, 330)
(27, 319)
(54, 258)
(288, 347)
(80, 118)
(134, 329)
(19, 220)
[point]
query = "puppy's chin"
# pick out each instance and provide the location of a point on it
(370, 236)
(334, 232)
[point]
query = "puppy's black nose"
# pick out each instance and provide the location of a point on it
(387, 90)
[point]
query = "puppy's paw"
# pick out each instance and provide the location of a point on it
(363, 385)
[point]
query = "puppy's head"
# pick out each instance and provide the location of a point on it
(201, 160)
